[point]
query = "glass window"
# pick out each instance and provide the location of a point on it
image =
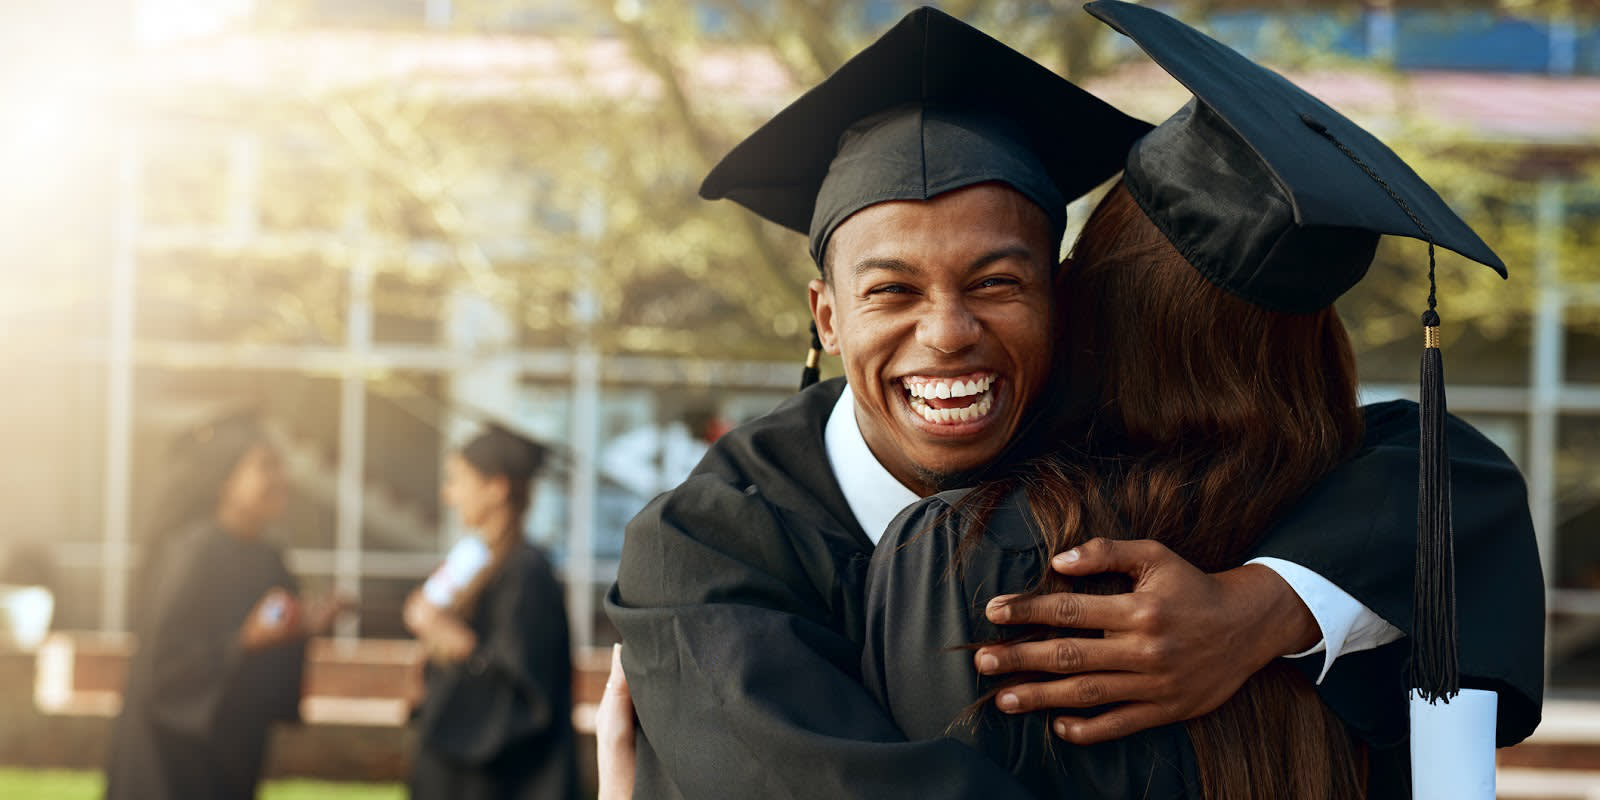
(1575, 619)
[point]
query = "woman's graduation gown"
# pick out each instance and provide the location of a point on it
(197, 708)
(499, 725)
(739, 600)
(922, 609)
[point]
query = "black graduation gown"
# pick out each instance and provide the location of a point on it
(739, 599)
(918, 610)
(499, 725)
(197, 708)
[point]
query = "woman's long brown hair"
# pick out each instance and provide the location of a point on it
(1194, 418)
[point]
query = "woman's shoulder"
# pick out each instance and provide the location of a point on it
(1006, 520)
(986, 533)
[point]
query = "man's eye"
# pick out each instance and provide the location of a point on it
(990, 283)
(893, 288)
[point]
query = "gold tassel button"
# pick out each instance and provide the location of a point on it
(1430, 337)
(812, 356)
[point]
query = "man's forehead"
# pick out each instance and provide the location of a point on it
(982, 221)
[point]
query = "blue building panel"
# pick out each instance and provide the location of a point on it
(1471, 40)
(1588, 50)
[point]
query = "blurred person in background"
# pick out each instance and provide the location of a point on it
(221, 629)
(28, 590)
(496, 716)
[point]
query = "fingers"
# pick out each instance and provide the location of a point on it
(1062, 610)
(1117, 723)
(1065, 655)
(614, 718)
(617, 681)
(1078, 691)
(1127, 556)
(615, 756)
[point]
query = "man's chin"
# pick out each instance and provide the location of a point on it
(944, 479)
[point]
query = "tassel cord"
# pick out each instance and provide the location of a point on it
(1434, 669)
(812, 371)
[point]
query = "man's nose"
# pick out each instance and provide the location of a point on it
(949, 327)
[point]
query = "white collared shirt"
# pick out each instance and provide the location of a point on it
(877, 497)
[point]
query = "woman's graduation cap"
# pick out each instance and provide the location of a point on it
(932, 106)
(1280, 200)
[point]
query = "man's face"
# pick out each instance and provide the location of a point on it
(941, 311)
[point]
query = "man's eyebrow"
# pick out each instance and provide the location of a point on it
(1001, 254)
(866, 265)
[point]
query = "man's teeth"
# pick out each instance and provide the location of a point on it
(944, 390)
(950, 416)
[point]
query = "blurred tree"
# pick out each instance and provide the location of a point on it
(573, 167)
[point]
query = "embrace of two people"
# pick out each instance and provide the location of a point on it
(1112, 526)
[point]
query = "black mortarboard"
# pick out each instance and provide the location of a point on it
(1282, 206)
(1279, 199)
(931, 106)
(498, 450)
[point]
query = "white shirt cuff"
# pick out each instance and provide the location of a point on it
(1347, 625)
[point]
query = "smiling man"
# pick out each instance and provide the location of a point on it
(931, 174)
(944, 306)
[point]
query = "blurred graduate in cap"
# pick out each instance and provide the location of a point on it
(221, 628)
(495, 721)
(1206, 390)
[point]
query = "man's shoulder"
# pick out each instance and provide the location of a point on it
(790, 432)
(765, 484)
(781, 457)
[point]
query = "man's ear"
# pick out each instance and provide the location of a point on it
(823, 311)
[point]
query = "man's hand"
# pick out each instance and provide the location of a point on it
(615, 756)
(1176, 647)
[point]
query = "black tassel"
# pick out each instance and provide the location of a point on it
(811, 373)
(1435, 671)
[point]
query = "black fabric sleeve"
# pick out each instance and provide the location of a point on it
(743, 684)
(1358, 529)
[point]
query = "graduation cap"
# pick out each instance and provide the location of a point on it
(499, 450)
(1277, 198)
(932, 106)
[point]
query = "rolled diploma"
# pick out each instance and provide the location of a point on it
(1452, 747)
(461, 565)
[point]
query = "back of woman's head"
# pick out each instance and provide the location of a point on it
(1164, 368)
(1187, 415)
(1179, 357)
(498, 452)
